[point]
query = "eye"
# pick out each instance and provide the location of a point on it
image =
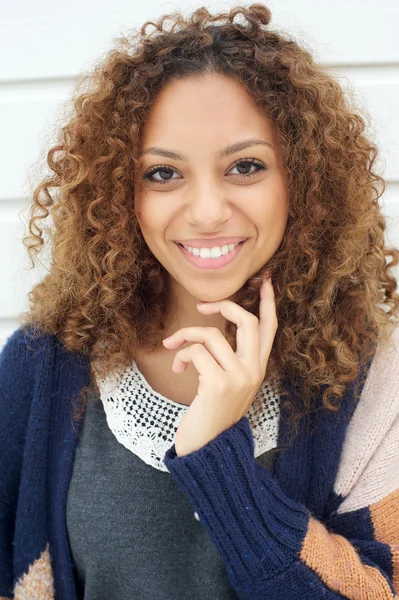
(161, 169)
(249, 162)
(240, 164)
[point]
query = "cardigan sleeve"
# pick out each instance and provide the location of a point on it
(272, 547)
(14, 412)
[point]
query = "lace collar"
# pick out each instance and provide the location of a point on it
(145, 422)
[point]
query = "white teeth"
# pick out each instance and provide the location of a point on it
(214, 252)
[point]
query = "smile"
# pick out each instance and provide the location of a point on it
(211, 263)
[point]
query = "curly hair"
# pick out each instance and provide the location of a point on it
(106, 294)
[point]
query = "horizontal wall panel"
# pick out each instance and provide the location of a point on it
(342, 32)
(390, 200)
(52, 42)
(17, 279)
(29, 114)
(376, 91)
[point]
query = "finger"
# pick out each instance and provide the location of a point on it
(213, 340)
(268, 323)
(202, 360)
(247, 334)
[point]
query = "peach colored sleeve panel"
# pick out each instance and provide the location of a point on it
(337, 563)
(385, 519)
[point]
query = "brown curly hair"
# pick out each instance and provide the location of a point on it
(106, 294)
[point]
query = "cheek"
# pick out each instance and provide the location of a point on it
(152, 218)
(269, 205)
(278, 199)
(143, 210)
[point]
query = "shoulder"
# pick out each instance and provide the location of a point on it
(371, 445)
(380, 395)
(22, 358)
(23, 349)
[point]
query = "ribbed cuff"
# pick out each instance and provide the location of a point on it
(256, 528)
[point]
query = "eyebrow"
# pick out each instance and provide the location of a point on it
(221, 154)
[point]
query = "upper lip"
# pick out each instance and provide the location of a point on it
(210, 243)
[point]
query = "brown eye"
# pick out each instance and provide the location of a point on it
(162, 170)
(248, 164)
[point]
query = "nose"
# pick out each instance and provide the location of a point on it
(207, 207)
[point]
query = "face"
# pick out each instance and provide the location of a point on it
(207, 192)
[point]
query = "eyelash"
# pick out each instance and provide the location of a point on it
(252, 161)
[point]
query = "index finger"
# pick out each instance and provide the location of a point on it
(268, 323)
(247, 334)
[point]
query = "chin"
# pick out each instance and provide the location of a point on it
(218, 298)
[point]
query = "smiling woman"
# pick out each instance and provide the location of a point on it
(253, 453)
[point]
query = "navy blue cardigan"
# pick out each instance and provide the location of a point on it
(275, 533)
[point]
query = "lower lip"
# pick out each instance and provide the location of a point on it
(211, 263)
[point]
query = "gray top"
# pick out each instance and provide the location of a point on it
(132, 533)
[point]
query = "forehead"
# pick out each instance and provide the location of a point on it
(204, 110)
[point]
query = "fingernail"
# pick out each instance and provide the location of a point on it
(166, 339)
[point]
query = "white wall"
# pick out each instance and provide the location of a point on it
(43, 46)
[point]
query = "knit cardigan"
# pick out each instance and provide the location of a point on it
(325, 524)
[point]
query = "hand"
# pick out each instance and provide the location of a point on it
(228, 380)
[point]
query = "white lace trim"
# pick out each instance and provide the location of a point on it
(145, 422)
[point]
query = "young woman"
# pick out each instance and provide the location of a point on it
(254, 452)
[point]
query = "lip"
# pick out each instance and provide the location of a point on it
(210, 242)
(211, 263)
